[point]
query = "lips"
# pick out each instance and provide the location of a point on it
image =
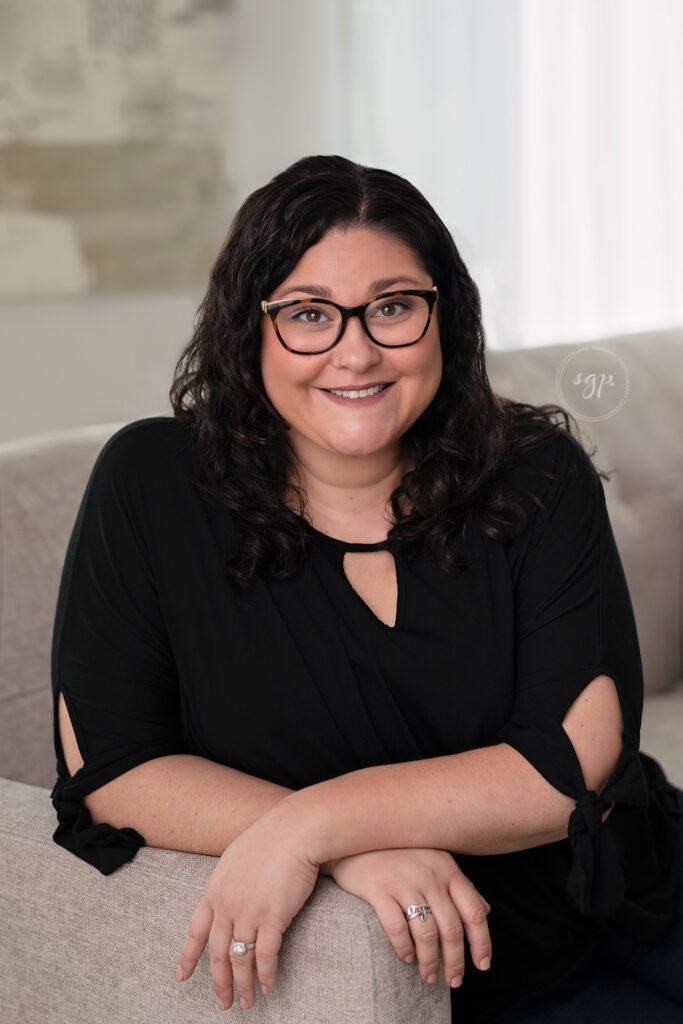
(365, 391)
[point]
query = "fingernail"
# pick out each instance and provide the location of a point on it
(410, 958)
(456, 981)
(180, 974)
(485, 963)
(265, 989)
(244, 1003)
(221, 1005)
(432, 978)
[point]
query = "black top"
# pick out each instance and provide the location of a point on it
(157, 652)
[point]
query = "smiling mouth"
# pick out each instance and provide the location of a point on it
(358, 393)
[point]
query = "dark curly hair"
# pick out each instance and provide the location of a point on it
(459, 445)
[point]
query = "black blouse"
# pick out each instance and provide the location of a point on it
(157, 652)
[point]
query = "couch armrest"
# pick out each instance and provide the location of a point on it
(82, 947)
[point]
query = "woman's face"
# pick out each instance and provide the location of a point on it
(351, 267)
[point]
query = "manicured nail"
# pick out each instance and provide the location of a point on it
(456, 981)
(432, 978)
(485, 963)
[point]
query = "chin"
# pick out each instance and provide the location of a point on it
(357, 447)
(353, 451)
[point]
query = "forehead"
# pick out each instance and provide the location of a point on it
(357, 257)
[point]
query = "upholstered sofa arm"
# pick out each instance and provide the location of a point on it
(81, 947)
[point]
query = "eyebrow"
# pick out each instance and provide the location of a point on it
(376, 287)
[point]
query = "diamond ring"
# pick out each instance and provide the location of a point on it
(418, 911)
(240, 948)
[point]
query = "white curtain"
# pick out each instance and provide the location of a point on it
(602, 172)
(547, 133)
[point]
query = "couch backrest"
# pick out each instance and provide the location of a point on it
(642, 444)
(642, 440)
(41, 484)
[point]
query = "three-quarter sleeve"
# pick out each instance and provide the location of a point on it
(574, 622)
(111, 655)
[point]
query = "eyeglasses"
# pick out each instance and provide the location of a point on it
(308, 327)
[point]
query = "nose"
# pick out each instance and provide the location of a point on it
(355, 350)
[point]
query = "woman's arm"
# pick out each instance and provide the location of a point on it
(180, 802)
(188, 803)
(500, 803)
(485, 801)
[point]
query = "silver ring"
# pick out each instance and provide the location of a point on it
(240, 948)
(420, 910)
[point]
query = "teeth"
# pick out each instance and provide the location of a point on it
(359, 394)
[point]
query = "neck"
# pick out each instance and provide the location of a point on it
(348, 496)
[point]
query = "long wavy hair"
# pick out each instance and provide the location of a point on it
(458, 447)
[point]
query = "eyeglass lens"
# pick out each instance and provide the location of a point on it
(392, 320)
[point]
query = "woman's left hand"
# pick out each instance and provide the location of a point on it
(262, 880)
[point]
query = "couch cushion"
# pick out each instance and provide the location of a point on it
(649, 535)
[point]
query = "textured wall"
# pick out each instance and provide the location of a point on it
(115, 144)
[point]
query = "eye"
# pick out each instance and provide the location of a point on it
(313, 316)
(393, 307)
(389, 309)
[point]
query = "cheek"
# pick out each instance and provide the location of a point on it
(432, 369)
(276, 367)
(285, 375)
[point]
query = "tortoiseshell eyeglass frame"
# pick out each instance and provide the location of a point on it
(271, 309)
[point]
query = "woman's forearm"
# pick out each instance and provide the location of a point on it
(182, 802)
(484, 801)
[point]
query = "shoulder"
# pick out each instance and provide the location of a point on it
(147, 438)
(544, 451)
(149, 456)
(140, 446)
(549, 470)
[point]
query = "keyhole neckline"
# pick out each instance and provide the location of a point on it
(345, 545)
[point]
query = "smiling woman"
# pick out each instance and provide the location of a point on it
(444, 716)
(356, 397)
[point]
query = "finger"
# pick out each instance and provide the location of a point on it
(267, 949)
(451, 937)
(242, 965)
(221, 969)
(425, 935)
(393, 919)
(473, 910)
(195, 941)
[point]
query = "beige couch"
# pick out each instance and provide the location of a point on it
(79, 947)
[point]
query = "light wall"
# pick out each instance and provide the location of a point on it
(72, 362)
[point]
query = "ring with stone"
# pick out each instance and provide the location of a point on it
(240, 948)
(420, 910)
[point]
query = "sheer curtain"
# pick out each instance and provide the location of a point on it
(547, 134)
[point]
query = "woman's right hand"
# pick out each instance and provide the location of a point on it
(392, 880)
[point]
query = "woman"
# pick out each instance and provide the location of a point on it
(350, 611)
